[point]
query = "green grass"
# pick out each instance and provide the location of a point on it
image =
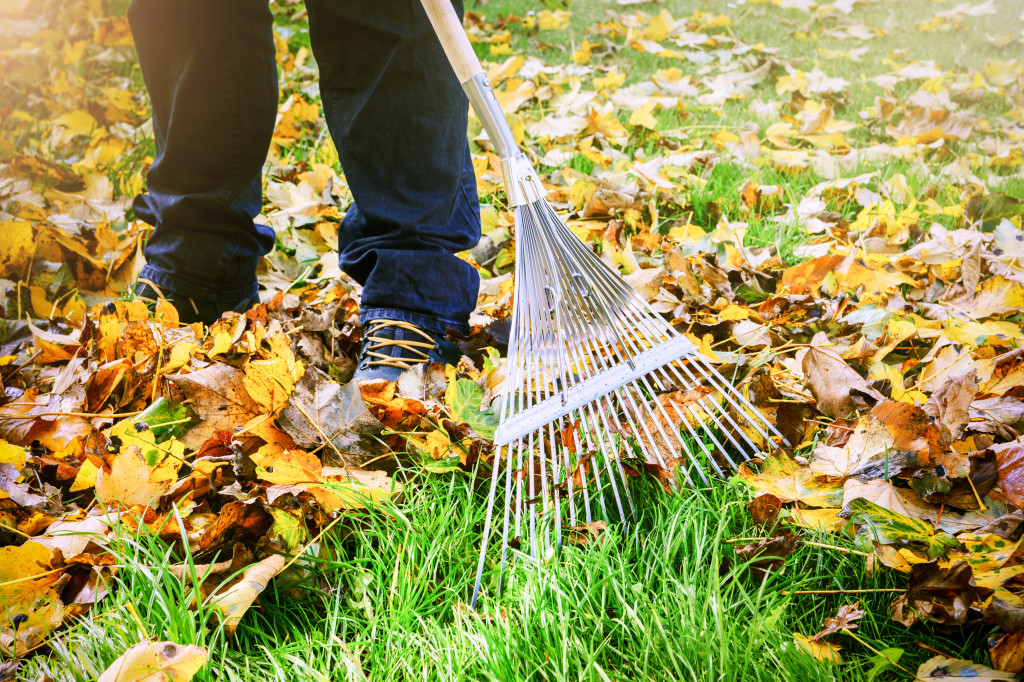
(384, 599)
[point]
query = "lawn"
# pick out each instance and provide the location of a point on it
(729, 167)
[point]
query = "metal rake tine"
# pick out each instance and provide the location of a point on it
(619, 352)
(726, 389)
(728, 417)
(664, 381)
(487, 528)
(579, 352)
(729, 389)
(711, 408)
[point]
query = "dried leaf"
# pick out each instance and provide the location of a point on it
(150, 661)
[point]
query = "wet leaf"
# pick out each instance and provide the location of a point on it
(940, 595)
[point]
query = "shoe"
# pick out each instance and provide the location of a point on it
(391, 346)
(189, 310)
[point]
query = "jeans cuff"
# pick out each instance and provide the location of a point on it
(212, 293)
(428, 322)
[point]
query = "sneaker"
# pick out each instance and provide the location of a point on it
(391, 346)
(189, 310)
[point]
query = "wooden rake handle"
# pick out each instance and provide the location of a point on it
(453, 38)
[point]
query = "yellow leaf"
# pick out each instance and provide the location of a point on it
(21, 592)
(643, 116)
(583, 54)
(236, 599)
(86, 477)
(150, 661)
(17, 246)
(292, 467)
(733, 313)
(552, 21)
(270, 382)
(352, 488)
(659, 27)
(128, 482)
(823, 651)
(75, 124)
(12, 454)
(611, 81)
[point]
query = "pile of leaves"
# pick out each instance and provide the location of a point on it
(882, 341)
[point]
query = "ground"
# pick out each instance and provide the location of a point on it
(825, 197)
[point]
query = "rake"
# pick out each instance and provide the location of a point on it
(597, 383)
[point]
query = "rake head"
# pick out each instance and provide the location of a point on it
(597, 384)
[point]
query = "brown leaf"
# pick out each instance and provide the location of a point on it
(324, 412)
(768, 555)
(838, 389)
(1007, 652)
(237, 522)
(1010, 462)
(219, 395)
(843, 620)
(585, 533)
(764, 509)
(951, 401)
(940, 595)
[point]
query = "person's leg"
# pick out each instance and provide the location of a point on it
(212, 77)
(398, 116)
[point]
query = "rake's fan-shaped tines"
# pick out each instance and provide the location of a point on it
(595, 377)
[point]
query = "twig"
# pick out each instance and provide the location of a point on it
(88, 415)
(809, 543)
(933, 649)
(878, 590)
(832, 425)
(311, 543)
(34, 577)
(975, 491)
(15, 531)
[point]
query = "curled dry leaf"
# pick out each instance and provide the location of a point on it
(768, 555)
(1007, 652)
(233, 601)
(150, 661)
(843, 620)
(764, 509)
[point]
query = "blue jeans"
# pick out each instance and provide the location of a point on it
(398, 118)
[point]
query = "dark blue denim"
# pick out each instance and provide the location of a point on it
(398, 118)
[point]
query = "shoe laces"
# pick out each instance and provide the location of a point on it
(413, 352)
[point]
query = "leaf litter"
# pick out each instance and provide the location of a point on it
(884, 345)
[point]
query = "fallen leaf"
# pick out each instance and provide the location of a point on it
(837, 388)
(235, 600)
(942, 668)
(219, 396)
(150, 661)
(822, 651)
(940, 595)
(130, 481)
(322, 412)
